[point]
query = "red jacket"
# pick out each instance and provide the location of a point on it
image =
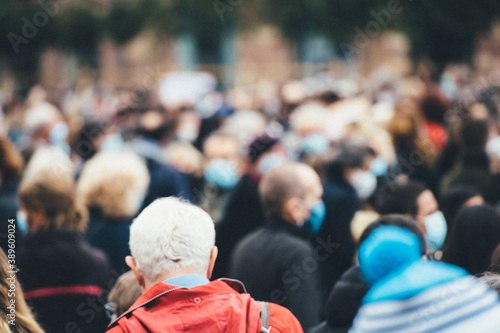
(219, 306)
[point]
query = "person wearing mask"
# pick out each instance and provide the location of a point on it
(411, 294)
(224, 166)
(45, 125)
(244, 212)
(349, 181)
(276, 262)
(414, 200)
(347, 294)
(173, 255)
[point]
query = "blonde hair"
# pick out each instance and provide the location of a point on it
(25, 321)
(116, 183)
(53, 192)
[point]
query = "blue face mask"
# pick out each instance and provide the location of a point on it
(112, 143)
(314, 143)
(22, 223)
(436, 227)
(269, 162)
(221, 173)
(58, 133)
(378, 167)
(316, 219)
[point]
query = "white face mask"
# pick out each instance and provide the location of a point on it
(364, 182)
(436, 227)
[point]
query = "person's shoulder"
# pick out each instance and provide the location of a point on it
(282, 320)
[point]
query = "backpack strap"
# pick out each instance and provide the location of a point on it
(264, 317)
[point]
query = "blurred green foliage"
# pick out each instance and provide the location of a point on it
(443, 30)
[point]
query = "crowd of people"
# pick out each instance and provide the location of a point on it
(320, 205)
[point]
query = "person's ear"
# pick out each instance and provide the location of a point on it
(293, 210)
(130, 261)
(211, 261)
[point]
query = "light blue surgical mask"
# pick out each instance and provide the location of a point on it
(378, 167)
(221, 173)
(22, 223)
(58, 133)
(316, 219)
(269, 162)
(436, 227)
(314, 143)
(112, 143)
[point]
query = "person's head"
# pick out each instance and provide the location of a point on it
(397, 220)
(414, 200)
(457, 198)
(45, 122)
(18, 312)
(407, 198)
(308, 118)
(352, 163)
(90, 137)
(290, 192)
(171, 237)
(11, 161)
(265, 153)
(474, 134)
(153, 125)
(114, 183)
(123, 294)
(475, 236)
(224, 160)
(47, 194)
(220, 145)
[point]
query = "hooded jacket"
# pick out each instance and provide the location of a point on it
(218, 306)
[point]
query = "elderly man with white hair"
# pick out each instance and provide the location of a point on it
(173, 255)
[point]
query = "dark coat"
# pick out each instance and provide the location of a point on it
(473, 171)
(165, 181)
(243, 214)
(278, 265)
(111, 236)
(52, 260)
(8, 210)
(343, 303)
(341, 203)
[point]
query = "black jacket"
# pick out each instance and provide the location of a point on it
(343, 303)
(277, 264)
(110, 236)
(341, 203)
(50, 260)
(8, 210)
(243, 214)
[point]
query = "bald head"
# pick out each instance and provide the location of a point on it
(288, 181)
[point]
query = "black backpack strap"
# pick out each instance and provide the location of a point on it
(264, 317)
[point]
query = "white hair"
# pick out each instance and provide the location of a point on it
(169, 235)
(310, 114)
(115, 182)
(48, 160)
(41, 114)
